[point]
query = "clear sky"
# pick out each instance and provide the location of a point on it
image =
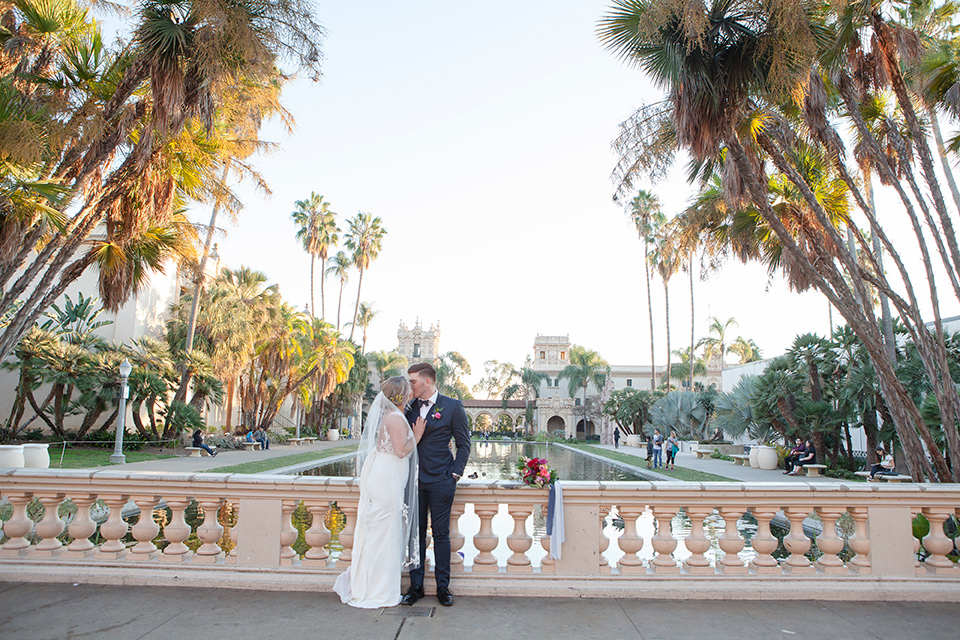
(480, 134)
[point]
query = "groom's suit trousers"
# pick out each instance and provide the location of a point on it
(437, 498)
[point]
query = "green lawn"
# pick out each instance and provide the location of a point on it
(680, 473)
(259, 466)
(88, 458)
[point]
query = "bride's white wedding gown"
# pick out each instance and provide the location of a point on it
(373, 578)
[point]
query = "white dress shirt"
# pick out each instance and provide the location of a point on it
(425, 405)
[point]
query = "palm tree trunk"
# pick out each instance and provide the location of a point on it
(653, 354)
(323, 297)
(886, 320)
(363, 347)
(339, 303)
(666, 302)
(313, 306)
(942, 152)
(356, 308)
(231, 385)
(197, 290)
(692, 320)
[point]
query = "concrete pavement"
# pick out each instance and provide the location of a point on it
(31, 611)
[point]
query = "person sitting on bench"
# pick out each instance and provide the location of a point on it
(885, 466)
(795, 454)
(198, 443)
(261, 436)
(809, 457)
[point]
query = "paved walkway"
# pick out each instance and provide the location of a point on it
(186, 464)
(724, 468)
(30, 611)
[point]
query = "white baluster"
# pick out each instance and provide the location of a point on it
(81, 529)
(630, 542)
(114, 529)
(519, 541)
(349, 509)
(176, 532)
(663, 542)
(697, 543)
(288, 534)
(485, 540)
(604, 541)
(210, 531)
(764, 542)
(797, 542)
(937, 544)
(829, 543)
(234, 532)
(49, 527)
(145, 530)
(17, 527)
(456, 537)
(317, 536)
(860, 541)
(731, 543)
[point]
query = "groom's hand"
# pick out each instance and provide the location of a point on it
(456, 477)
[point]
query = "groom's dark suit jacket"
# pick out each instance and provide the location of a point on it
(437, 462)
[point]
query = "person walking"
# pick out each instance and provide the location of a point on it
(616, 437)
(673, 445)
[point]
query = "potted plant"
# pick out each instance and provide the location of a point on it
(332, 433)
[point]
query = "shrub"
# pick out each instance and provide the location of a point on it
(716, 455)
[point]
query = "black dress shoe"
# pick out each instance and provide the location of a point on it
(445, 597)
(412, 595)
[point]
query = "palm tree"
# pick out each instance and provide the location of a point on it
(585, 367)
(317, 231)
(364, 240)
(716, 344)
(664, 259)
(340, 268)
(747, 350)
(647, 217)
(387, 363)
(364, 318)
(528, 387)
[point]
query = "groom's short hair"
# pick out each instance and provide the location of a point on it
(424, 368)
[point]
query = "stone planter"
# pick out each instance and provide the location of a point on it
(766, 457)
(333, 434)
(633, 440)
(754, 452)
(36, 456)
(11, 455)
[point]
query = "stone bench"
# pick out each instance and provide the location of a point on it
(741, 460)
(811, 470)
(702, 453)
(296, 442)
(252, 446)
(884, 477)
(309, 440)
(197, 452)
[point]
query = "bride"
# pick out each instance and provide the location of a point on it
(386, 539)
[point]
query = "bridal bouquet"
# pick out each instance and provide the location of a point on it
(536, 472)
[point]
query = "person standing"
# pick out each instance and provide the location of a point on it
(616, 438)
(440, 471)
(657, 449)
(673, 445)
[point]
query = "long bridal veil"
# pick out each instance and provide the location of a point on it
(374, 439)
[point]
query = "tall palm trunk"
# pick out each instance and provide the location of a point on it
(692, 320)
(339, 303)
(653, 354)
(886, 319)
(666, 302)
(185, 374)
(942, 152)
(323, 297)
(313, 305)
(231, 386)
(356, 308)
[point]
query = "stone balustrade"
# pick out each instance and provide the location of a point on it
(876, 557)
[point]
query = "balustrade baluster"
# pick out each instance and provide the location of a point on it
(145, 530)
(547, 564)
(349, 510)
(176, 532)
(630, 542)
(860, 541)
(519, 541)
(731, 543)
(456, 537)
(17, 527)
(697, 543)
(764, 542)
(604, 541)
(49, 527)
(114, 529)
(797, 542)
(917, 565)
(210, 531)
(81, 528)
(234, 532)
(317, 536)
(663, 542)
(937, 544)
(288, 533)
(829, 543)
(485, 540)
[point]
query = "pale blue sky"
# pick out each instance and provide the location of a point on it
(480, 134)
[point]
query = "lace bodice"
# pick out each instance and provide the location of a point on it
(385, 442)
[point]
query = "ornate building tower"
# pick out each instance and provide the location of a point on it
(419, 344)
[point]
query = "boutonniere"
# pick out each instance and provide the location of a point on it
(436, 413)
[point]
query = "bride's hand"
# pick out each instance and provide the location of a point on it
(419, 427)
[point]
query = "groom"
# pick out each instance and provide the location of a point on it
(439, 474)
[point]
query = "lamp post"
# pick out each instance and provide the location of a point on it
(117, 457)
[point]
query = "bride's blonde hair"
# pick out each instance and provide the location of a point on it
(397, 390)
